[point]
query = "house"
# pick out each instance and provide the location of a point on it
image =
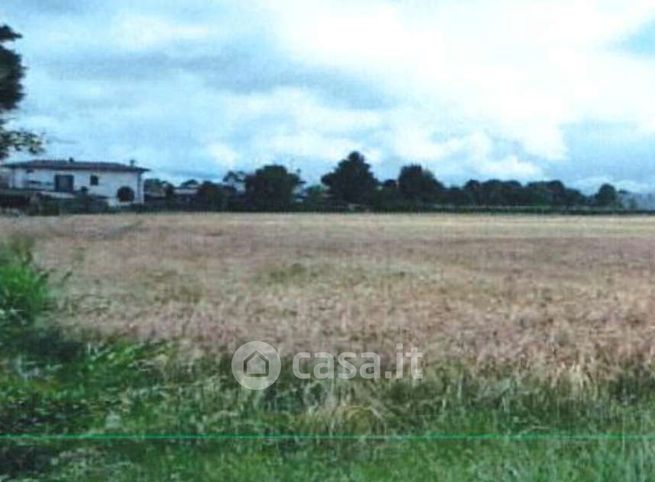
(117, 184)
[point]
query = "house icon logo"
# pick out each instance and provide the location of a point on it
(256, 365)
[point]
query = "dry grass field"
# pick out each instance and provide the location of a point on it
(556, 296)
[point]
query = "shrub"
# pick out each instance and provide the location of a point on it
(25, 297)
(23, 287)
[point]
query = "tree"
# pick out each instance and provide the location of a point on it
(538, 194)
(235, 180)
(553, 194)
(153, 185)
(573, 197)
(211, 196)
(314, 198)
(271, 188)
(473, 191)
(606, 196)
(457, 196)
(11, 93)
(388, 198)
(558, 192)
(419, 185)
(190, 184)
(352, 181)
(493, 193)
(11, 71)
(156, 187)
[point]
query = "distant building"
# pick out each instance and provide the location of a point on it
(187, 191)
(117, 184)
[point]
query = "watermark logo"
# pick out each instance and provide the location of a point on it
(256, 365)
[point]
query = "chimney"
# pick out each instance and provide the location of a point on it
(71, 160)
(132, 163)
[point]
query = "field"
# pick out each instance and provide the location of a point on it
(528, 325)
(562, 296)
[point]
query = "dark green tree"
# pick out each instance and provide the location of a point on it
(606, 196)
(457, 196)
(157, 190)
(418, 185)
(574, 198)
(315, 197)
(11, 71)
(236, 180)
(553, 194)
(557, 191)
(271, 188)
(153, 184)
(11, 93)
(538, 194)
(388, 198)
(473, 191)
(211, 196)
(352, 181)
(493, 193)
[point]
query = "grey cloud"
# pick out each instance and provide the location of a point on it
(236, 68)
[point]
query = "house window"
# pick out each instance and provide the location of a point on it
(95, 180)
(64, 183)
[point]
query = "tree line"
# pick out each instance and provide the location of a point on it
(352, 185)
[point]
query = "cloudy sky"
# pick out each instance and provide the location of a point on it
(509, 89)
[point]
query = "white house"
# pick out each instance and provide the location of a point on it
(118, 184)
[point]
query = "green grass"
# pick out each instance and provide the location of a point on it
(89, 409)
(118, 395)
(23, 288)
(409, 460)
(492, 461)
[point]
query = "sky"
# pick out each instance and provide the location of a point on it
(507, 89)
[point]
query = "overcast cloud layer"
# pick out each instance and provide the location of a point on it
(511, 89)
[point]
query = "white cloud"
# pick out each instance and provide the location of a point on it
(224, 155)
(299, 109)
(289, 124)
(522, 69)
(301, 145)
(510, 168)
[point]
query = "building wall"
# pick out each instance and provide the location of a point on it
(108, 185)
